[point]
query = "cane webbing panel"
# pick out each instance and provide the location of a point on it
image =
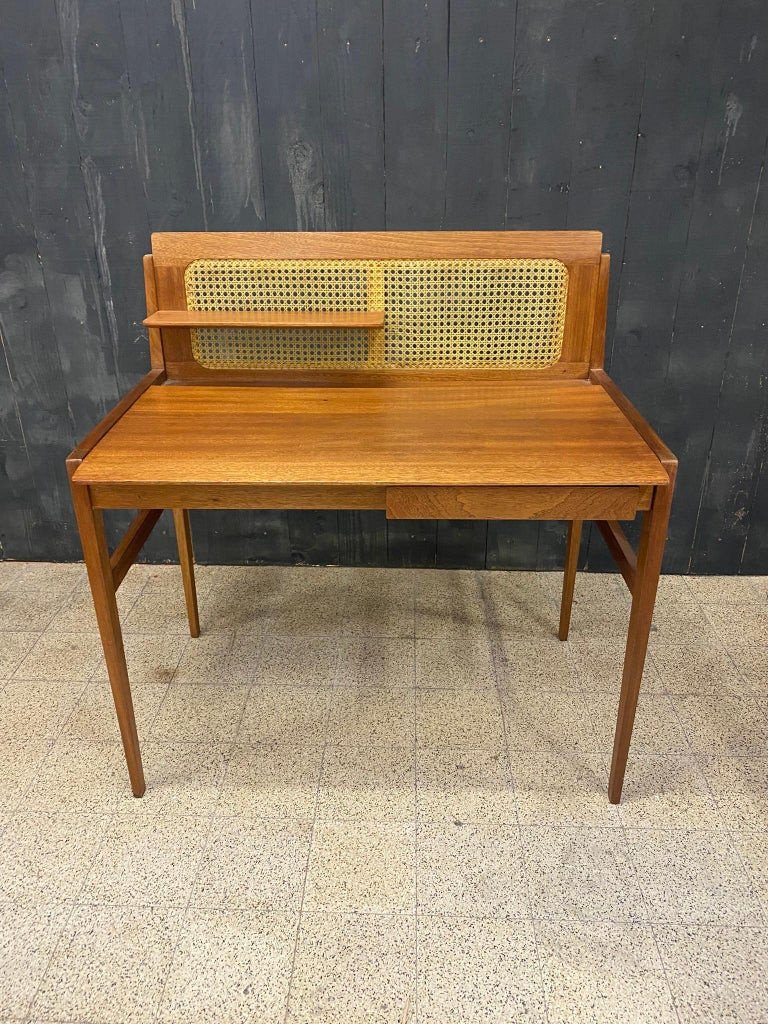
(438, 313)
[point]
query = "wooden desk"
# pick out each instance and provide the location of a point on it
(557, 443)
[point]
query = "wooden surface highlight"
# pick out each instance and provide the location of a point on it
(456, 435)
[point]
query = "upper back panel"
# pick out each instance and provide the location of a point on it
(461, 301)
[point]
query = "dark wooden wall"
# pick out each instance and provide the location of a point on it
(645, 120)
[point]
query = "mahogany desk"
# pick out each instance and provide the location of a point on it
(225, 427)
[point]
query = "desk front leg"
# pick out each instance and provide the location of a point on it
(90, 522)
(650, 553)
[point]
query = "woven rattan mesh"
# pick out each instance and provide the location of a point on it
(438, 313)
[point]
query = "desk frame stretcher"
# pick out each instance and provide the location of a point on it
(612, 464)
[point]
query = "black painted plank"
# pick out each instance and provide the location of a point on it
(350, 70)
(163, 107)
(226, 113)
(415, 105)
(461, 544)
(480, 69)
(730, 519)
(314, 537)
(289, 108)
(362, 538)
(411, 543)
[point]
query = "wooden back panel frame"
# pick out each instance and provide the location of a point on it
(580, 251)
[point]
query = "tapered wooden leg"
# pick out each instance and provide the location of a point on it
(569, 577)
(187, 562)
(650, 553)
(90, 522)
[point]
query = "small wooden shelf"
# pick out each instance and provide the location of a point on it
(191, 318)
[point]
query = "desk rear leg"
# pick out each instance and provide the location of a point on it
(572, 546)
(649, 557)
(90, 522)
(187, 563)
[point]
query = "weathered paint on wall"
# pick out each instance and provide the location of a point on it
(647, 121)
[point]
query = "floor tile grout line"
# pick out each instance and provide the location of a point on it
(496, 655)
(109, 818)
(308, 860)
(416, 833)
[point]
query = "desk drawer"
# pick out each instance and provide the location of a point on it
(516, 502)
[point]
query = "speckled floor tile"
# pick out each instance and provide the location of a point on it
(747, 625)
(11, 572)
(598, 587)
(540, 664)
(692, 877)
(29, 610)
(59, 656)
(248, 804)
(312, 605)
(271, 781)
(61, 577)
(243, 603)
(562, 787)
(182, 778)
(20, 762)
(740, 788)
(752, 663)
(230, 967)
(160, 611)
(603, 973)
(361, 867)
(294, 715)
(657, 729)
(110, 965)
(378, 661)
(77, 614)
(221, 659)
(146, 860)
(717, 975)
(724, 724)
(380, 716)
(675, 619)
(14, 647)
(663, 791)
(600, 663)
(548, 720)
(93, 716)
(695, 666)
(448, 605)
(79, 775)
(478, 970)
(150, 659)
(727, 589)
(36, 710)
(367, 783)
(28, 937)
(252, 864)
(517, 606)
(753, 850)
(45, 856)
(459, 718)
(462, 663)
(379, 602)
(581, 874)
(205, 714)
(471, 869)
(464, 784)
(297, 661)
(605, 617)
(353, 969)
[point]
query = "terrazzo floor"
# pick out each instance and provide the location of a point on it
(380, 795)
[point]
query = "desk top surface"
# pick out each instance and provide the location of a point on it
(541, 433)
